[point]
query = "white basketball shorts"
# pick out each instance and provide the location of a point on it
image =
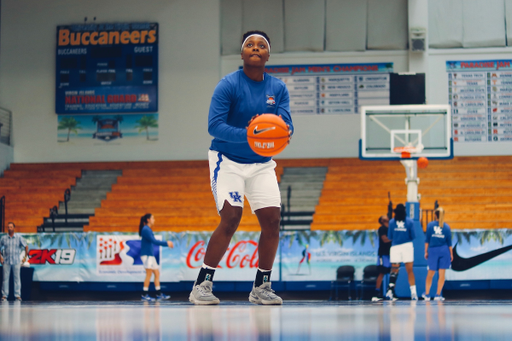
(149, 262)
(231, 181)
(403, 253)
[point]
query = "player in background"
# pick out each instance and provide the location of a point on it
(147, 221)
(438, 252)
(401, 233)
(237, 171)
(383, 263)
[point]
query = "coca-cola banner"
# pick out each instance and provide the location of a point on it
(115, 257)
(238, 264)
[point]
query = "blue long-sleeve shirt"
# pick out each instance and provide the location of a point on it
(437, 236)
(236, 99)
(401, 232)
(148, 239)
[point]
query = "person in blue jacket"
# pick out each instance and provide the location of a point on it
(438, 252)
(401, 233)
(147, 221)
(237, 171)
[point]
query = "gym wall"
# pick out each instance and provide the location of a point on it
(194, 54)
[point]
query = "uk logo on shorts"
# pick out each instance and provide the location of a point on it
(271, 100)
(235, 196)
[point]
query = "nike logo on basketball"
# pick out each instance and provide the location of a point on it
(461, 264)
(256, 131)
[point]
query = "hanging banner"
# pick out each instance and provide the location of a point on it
(315, 255)
(115, 257)
(481, 255)
(302, 256)
(107, 68)
(480, 93)
(90, 130)
(334, 88)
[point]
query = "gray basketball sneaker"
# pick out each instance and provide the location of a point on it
(202, 294)
(264, 295)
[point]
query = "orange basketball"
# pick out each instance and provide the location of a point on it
(268, 135)
(422, 162)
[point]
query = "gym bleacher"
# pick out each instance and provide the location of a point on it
(476, 192)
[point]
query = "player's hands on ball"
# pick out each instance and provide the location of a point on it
(250, 121)
(170, 244)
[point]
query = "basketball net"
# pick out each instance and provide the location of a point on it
(407, 151)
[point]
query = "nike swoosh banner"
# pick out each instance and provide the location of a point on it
(462, 264)
(481, 255)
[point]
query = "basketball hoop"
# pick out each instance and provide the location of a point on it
(406, 151)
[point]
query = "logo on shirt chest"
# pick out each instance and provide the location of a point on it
(271, 100)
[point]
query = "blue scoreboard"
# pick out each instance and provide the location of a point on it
(107, 68)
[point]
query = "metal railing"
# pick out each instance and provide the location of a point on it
(2, 214)
(428, 216)
(289, 218)
(67, 196)
(285, 208)
(54, 212)
(5, 126)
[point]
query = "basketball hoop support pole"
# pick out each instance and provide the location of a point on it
(412, 181)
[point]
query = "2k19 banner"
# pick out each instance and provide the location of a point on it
(302, 256)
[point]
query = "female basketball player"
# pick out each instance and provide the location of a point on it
(438, 252)
(147, 256)
(401, 233)
(236, 171)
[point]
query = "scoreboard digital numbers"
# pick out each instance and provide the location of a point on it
(480, 93)
(107, 68)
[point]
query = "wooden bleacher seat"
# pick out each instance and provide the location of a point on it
(30, 193)
(179, 196)
(476, 192)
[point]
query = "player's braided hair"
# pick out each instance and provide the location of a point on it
(400, 212)
(143, 222)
